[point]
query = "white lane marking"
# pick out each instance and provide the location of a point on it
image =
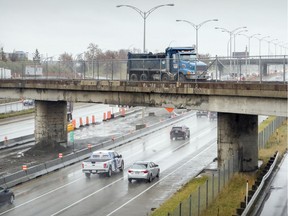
(75, 203)
(39, 196)
(156, 183)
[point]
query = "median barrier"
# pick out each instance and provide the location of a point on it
(83, 154)
(36, 171)
(16, 178)
(2, 182)
(54, 165)
(70, 159)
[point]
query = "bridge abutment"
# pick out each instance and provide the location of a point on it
(50, 123)
(238, 138)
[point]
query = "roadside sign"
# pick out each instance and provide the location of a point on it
(71, 134)
(60, 155)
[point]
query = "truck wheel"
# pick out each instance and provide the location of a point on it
(129, 180)
(181, 78)
(109, 173)
(165, 77)
(122, 167)
(134, 77)
(143, 77)
(87, 175)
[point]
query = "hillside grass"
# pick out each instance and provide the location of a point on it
(228, 200)
(17, 113)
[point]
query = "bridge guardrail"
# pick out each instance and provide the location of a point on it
(259, 188)
(116, 69)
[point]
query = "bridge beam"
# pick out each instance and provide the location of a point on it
(238, 138)
(50, 123)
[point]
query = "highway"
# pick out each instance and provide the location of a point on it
(69, 192)
(24, 125)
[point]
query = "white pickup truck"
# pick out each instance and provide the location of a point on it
(103, 162)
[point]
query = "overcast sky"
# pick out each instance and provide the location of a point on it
(58, 26)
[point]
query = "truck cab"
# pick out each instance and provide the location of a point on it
(184, 65)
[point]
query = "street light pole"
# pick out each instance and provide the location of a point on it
(269, 45)
(260, 39)
(196, 27)
(144, 15)
(249, 38)
(235, 34)
(231, 34)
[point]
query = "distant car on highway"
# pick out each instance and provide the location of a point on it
(28, 102)
(200, 113)
(6, 196)
(212, 116)
(179, 132)
(143, 170)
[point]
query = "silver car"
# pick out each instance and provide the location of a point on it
(143, 170)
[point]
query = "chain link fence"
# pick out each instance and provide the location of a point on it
(253, 68)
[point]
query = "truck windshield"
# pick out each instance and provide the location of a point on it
(188, 57)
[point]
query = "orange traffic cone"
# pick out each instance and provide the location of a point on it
(87, 121)
(81, 122)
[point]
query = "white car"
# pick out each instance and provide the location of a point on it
(143, 170)
(28, 102)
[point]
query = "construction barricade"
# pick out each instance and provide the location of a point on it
(35, 171)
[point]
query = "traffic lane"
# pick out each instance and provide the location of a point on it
(78, 190)
(17, 129)
(119, 196)
(276, 204)
(13, 106)
(168, 184)
(25, 125)
(124, 198)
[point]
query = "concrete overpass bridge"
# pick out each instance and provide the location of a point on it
(263, 63)
(238, 106)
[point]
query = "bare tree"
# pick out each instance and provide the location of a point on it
(65, 57)
(93, 52)
(36, 57)
(3, 55)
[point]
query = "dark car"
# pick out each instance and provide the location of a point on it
(6, 196)
(201, 113)
(179, 132)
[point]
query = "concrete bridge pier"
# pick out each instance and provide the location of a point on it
(238, 138)
(50, 123)
(264, 69)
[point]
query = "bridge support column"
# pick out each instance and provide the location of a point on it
(264, 69)
(50, 123)
(238, 138)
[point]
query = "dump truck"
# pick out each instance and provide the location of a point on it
(177, 63)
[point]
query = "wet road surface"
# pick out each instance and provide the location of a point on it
(69, 192)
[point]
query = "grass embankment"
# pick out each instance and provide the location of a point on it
(234, 192)
(18, 113)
